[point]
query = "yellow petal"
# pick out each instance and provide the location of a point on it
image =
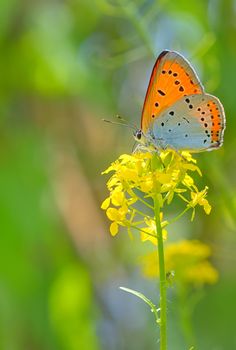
(188, 180)
(105, 203)
(113, 228)
(147, 237)
(112, 167)
(163, 178)
(123, 210)
(129, 174)
(146, 186)
(164, 233)
(188, 157)
(170, 196)
(207, 208)
(113, 214)
(117, 198)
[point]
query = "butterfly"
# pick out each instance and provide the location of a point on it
(177, 113)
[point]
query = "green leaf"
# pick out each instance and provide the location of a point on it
(145, 299)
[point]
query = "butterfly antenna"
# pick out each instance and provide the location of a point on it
(134, 147)
(121, 119)
(117, 123)
(125, 122)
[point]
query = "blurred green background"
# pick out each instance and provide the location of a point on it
(65, 65)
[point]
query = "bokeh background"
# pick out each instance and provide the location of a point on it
(65, 65)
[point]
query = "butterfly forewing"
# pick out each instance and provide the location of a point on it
(172, 78)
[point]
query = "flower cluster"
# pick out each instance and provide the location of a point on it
(188, 260)
(139, 178)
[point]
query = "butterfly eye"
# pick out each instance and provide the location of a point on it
(138, 134)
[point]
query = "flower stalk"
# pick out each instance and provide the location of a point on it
(160, 257)
(162, 274)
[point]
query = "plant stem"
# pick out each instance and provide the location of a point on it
(140, 199)
(161, 259)
(139, 212)
(139, 229)
(179, 216)
(162, 274)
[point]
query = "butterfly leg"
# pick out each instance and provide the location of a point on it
(154, 149)
(137, 148)
(141, 148)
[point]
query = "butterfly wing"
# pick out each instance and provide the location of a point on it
(172, 78)
(194, 122)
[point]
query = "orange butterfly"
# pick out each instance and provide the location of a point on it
(177, 113)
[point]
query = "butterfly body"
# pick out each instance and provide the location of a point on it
(177, 113)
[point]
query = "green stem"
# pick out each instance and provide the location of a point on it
(139, 212)
(140, 230)
(133, 194)
(161, 259)
(179, 216)
(162, 274)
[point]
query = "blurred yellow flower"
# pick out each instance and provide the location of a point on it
(189, 261)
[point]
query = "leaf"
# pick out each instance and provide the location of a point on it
(145, 299)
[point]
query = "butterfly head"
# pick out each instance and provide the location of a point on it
(139, 136)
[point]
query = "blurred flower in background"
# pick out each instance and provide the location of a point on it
(188, 259)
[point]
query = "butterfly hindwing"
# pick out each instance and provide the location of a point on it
(194, 122)
(171, 79)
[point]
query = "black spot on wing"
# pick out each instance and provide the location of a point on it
(161, 92)
(186, 120)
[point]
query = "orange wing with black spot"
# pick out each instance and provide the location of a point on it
(172, 78)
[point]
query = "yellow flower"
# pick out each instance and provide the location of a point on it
(149, 232)
(201, 273)
(146, 184)
(199, 198)
(139, 178)
(188, 181)
(188, 259)
(149, 264)
(118, 216)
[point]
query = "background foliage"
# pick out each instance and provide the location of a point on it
(64, 66)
